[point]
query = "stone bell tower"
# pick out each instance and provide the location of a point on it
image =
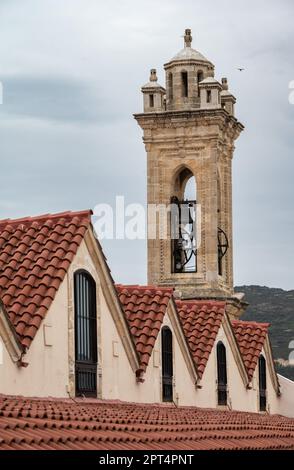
(189, 132)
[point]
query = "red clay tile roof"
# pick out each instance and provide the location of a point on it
(52, 424)
(201, 320)
(35, 253)
(251, 337)
(145, 307)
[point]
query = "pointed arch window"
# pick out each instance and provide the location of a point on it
(222, 381)
(262, 383)
(167, 364)
(85, 334)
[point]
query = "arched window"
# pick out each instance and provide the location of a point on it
(262, 383)
(167, 364)
(222, 380)
(151, 101)
(183, 223)
(170, 86)
(85, 334)
(184, 76)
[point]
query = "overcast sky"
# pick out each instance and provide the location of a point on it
(72, 72)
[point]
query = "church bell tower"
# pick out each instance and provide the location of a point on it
(189, 131)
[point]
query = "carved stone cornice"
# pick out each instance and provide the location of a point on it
(189, 118)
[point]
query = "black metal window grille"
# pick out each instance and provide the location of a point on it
(262, 383)
(222, 381)
(85, 334)
(167, 364)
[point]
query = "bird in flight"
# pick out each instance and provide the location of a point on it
(241, 69)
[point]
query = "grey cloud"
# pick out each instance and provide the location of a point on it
(57, 99)
(72, 82)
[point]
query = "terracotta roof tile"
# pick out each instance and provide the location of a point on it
(145, 307)
(49, 424)
(251, 337)
(35, 253)
(201, 320)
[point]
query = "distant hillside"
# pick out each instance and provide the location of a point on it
(275, 306)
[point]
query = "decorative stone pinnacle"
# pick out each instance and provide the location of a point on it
(225, 84)
(153, 76)
(188, 38)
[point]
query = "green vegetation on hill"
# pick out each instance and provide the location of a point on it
(275, 306)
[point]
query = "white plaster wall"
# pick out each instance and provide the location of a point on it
(118, 378)
(47, 372)
(118, 381)
(184, 387)
(285, 404)
(272, 399)
(238, 397)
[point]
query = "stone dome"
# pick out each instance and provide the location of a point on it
(187, 53)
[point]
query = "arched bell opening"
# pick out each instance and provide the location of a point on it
(183, 222)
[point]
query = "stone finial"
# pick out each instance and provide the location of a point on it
(225, 84)
(188, 38)
(153, 76)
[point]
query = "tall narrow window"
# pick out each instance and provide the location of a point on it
(185, 84)
(200, 77)
(85, 334)
(170, 86)
(208, 96)
(151, 101)
(262, 383)
(167, 364)
(221, 374)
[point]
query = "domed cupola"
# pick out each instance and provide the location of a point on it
(184, 72)
(153, 94)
